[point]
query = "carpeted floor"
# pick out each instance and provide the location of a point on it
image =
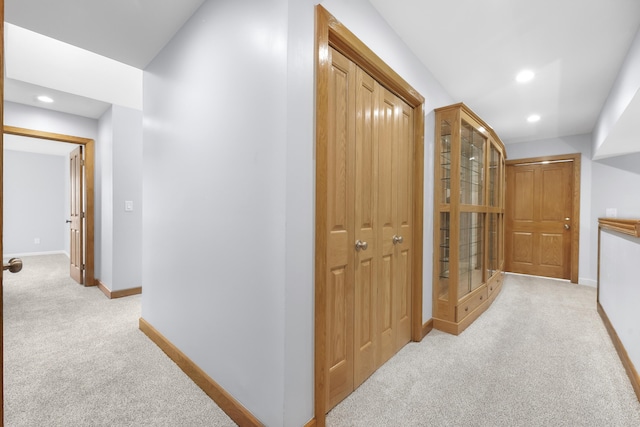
(75, 358)
(539, 356)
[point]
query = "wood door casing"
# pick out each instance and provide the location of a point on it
(540, 202)
(76, 247)
(88, 187)
(331, 33)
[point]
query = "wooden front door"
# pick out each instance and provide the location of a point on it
(540, 217)
(370, 220)
(76, 257)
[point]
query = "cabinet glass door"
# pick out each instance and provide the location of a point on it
(443, 257)
(471, 165)
(445, 162)
(492, 236)
(470, 252)
(494, 177)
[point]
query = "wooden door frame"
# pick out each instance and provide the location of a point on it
(575, 215)
(329, 32)
(89, 189)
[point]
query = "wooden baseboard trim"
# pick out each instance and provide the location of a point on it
(427, 327)
(311, 423)
(632, 373)
(238, 413)
(118, 294)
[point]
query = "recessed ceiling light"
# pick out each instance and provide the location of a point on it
(533, 118)
(44, 98)
(525, 76)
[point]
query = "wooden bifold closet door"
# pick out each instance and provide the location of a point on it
(369, 226)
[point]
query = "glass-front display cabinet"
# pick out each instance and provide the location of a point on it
(469, 217)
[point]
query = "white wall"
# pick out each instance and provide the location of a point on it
(229, 190)
(104, 215)
(118, 177)
(587, 273)
(619, 291)
(214, 197)
(25, 116)
(121, 177)
(127, 186)
(35, 200)
(623, 94)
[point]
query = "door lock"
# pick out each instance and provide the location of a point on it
(397, 239)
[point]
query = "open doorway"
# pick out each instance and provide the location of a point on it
(74, 235)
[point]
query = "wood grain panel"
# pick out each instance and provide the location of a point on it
(340, 220)
(551, 250)
(403, 304)
(76, 212)
(330, 32)
(340, 342)
(546, 188)
(386, 341)
(553, 194)
(523, 248)
(387, 225)
(523, 197)
(404, 221)
(366, 198)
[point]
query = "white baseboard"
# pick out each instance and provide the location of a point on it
(22, 254)
(581, 280)
(587, 282)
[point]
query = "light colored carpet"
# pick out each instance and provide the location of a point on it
(539, 356)
(75, 358)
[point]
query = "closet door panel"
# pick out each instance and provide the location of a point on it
(404, 197)
(340, 299)
(366, 262)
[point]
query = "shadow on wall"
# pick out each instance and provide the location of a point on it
(628, 162)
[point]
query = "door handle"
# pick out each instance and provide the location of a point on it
(397, 239)
(68, 221)
(360, 245)
(14, 265)
(567, 226)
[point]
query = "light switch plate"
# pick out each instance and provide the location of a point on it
(128, 206)
(612, 213)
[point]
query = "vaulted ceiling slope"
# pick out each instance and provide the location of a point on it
(128, 31)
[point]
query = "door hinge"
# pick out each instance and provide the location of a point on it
(82, 267)
(82, 215)
(81, 162)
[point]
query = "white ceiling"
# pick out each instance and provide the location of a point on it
(474, 48)
(129, 31)
(25, 93)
